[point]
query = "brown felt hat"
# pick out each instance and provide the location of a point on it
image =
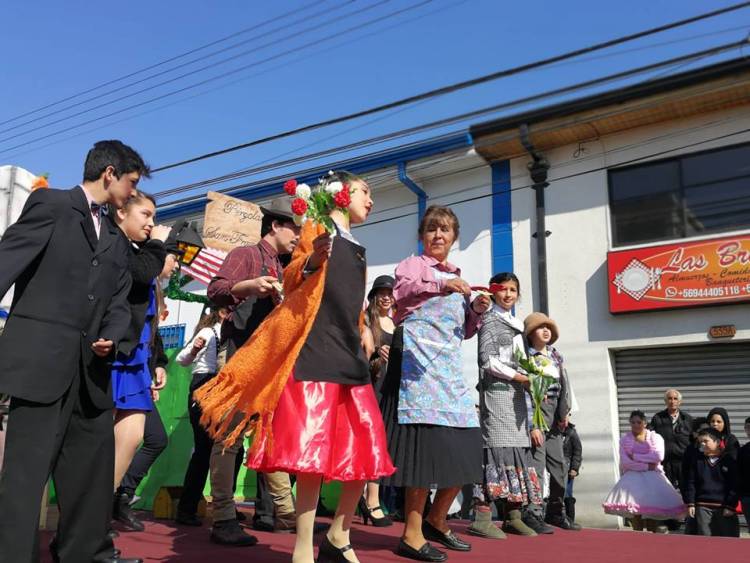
(537, 320)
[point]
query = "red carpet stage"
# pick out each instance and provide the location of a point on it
(163, 541)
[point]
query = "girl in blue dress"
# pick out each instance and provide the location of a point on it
(131, 376)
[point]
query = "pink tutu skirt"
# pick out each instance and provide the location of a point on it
(326, 429)
(645, 493)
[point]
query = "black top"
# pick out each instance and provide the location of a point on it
(713, 484)
(676, 436)
(145, 262)
(333, 349)
(572, 449)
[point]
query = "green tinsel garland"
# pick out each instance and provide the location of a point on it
(174, 290)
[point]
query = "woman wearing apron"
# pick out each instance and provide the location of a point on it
(431, 420)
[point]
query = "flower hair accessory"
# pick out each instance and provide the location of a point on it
(317, 203)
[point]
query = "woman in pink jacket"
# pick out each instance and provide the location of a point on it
(643, 492)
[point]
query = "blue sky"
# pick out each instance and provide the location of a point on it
(62, 49)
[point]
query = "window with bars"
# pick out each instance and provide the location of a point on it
(699, 193)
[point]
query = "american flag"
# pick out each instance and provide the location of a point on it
(206, 265)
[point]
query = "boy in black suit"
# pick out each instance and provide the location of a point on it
(69, 265)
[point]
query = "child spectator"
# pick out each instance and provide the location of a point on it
(573, 455)
(711, 487)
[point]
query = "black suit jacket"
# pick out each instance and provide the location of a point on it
(71, 289)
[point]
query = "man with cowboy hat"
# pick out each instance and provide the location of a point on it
(249, 285)
(547, 449)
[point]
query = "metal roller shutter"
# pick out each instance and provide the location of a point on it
(707, 375)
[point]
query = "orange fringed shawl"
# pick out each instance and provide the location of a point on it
(247, 390)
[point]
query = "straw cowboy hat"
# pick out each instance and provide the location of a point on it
(538, 320)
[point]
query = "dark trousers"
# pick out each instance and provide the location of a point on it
(197, 470)
(74, 442)
(712, 522)
(550, 457)
(264, 508)
(155, 441)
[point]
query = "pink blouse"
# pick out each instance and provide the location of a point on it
(636, 456)
(416, 283)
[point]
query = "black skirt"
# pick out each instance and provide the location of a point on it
(426, 455)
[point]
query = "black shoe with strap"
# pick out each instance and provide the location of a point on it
(448, 539)
(366, 513)
(425, 553)
(329, 553)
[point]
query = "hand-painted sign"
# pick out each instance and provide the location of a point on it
(230, 222)
(688, 274)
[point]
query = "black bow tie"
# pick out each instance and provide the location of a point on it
(98, 210)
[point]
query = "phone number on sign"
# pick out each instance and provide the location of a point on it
(708, 292)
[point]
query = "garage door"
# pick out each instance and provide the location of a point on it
(710, 375)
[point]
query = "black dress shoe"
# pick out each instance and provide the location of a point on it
(123, 513)
(424, 553)
(448, 539)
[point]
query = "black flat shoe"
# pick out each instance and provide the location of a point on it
(424, 553)
(448, 539)
(329, 553)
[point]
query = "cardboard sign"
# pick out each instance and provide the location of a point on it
(705, 272)
(230, 222)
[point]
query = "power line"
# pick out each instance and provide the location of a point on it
(229, 73)
(555, 166)
(308, 55)
(461, 85)
(167, 61)
(455, 119)
(199, 70)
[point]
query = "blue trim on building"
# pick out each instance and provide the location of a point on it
(358, 165)
(502, 230)
(418, 191)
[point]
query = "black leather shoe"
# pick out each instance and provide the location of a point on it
(564, 523)
(536, 524)
(123, 513)
(229, 532)
(424, 553)
(448, 539)
(188, 519)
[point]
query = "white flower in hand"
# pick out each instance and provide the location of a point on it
(303, 191)
(334, 187)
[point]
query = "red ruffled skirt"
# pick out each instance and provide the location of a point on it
(326, 429)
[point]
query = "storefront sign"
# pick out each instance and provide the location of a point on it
(230, 222)
(688, 274)
(722, 331)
